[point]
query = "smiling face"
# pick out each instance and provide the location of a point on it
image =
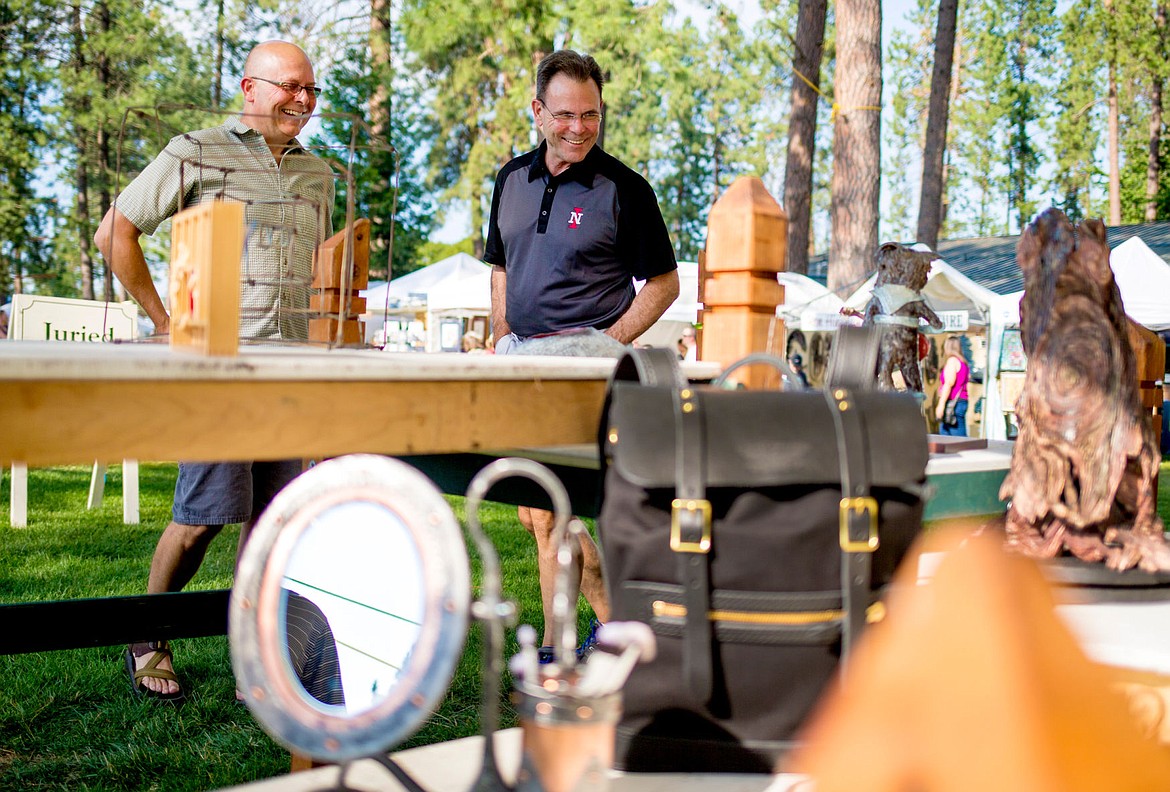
(269, 109)
(568, 142)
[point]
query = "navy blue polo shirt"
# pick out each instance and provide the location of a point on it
(571, 243)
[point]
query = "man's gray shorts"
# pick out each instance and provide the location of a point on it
(579, 342)
(224, 493)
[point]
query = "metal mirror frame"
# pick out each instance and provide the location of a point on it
(259, 657)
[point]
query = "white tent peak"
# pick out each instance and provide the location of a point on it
(1143, 278)
(415, 286)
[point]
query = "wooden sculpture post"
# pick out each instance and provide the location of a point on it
(747, 238)
(206, 244)
(1086, 459)
(337, 279)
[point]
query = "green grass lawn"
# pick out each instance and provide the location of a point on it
(68, 719)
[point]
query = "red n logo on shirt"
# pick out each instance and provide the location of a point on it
(576, 217)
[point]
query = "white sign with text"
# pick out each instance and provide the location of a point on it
(955, 321)
(36, 317)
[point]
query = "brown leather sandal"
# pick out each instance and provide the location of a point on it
(161, 649)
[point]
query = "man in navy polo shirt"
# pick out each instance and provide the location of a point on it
(570, 229)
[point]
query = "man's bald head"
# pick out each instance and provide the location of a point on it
(273, 55)
(280, 92)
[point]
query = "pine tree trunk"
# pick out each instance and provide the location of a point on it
(81, 175)
(1114, 151)
(934, 152)
(380, 101)
(381, 105)
(855, 186)
(1153, 160)
(802, 130)
(217, 85)
(1152, 164)
(103, 147)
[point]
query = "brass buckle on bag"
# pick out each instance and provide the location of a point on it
(859, 506)
(690, 506)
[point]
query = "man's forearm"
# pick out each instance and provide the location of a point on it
(648, 306)
(117, 239)
(500, 326)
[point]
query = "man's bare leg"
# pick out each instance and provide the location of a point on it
(589, 582)
(177, 557)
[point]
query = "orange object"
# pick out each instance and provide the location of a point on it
(1150, 353)
(973, 683)
(329, 263)
(329, 301)
(747, 237)
(330, 278)
(207, 242)
(325, 330)
(734, 289)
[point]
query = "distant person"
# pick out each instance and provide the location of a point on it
(255, 158)
(796, 363)
(312, 649)
(688, 349)
(951, 409)
(472, 342)
(570, 229)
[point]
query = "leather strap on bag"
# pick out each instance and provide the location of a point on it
(690, 539)
(853, 359)
(690, 528)
(858, 518)
(853, 367)
(650, 366)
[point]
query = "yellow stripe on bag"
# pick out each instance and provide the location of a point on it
(669, 609)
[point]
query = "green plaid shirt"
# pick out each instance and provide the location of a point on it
(288, 212)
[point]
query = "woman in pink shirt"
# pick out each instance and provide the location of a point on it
(953, 387)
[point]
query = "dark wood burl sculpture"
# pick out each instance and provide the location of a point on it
(1082, 473)
(897, 305)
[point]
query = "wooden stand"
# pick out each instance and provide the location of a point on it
(338, 275)
(206, 244)
(1150, 353)
(747, 234)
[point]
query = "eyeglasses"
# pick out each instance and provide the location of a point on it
(588, 118)
(293, 88)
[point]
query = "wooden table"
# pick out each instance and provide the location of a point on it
(71, 404)
(63, 404)
(449, 415)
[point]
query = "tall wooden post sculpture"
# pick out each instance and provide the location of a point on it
(747, 239)
(207, 242)
(1084, 465)
(337, 278)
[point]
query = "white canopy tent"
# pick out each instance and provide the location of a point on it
(683, 312)
(1144, 281)
(808, 304)
(459, 300)
(1142, 277)
(405, 297)
(1005, 314)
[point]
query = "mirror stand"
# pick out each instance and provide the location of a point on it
(364, 550)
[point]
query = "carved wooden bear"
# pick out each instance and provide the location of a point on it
(1082, 474)
(897, 305)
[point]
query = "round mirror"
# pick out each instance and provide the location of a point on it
(350, 608)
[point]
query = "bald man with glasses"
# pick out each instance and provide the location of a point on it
(288, 196)
(570, 229)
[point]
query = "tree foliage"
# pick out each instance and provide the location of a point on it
(23, 78)
(697, 95)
